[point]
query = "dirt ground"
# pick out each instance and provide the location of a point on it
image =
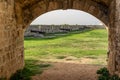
(69, 71)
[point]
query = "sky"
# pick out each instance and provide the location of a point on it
(71, 17)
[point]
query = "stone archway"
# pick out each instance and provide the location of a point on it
(16, 15)
(94, 8)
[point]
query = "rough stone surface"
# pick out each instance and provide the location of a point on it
(16, 16)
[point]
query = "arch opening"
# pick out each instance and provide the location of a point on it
(65, 49)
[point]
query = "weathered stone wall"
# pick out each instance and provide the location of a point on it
(11, 40)
(16, 16)
(56, 28)
(114, 38)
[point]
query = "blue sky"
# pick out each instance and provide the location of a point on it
(71, 17)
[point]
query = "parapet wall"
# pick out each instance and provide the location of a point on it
(37, 30)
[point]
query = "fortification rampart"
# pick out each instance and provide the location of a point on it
(39, 30)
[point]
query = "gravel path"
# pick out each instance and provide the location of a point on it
(69, 71)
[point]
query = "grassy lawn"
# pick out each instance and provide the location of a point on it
(88, 43)
(89, 46)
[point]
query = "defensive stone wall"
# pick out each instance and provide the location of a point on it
(39, 30)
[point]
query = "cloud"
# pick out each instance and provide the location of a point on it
(67, 17)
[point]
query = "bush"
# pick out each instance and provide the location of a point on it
(3, 79)
(105, 75)
(21, 75)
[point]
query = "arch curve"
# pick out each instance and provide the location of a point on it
(35, 8)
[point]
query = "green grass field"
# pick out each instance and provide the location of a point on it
(80, 45)
(88, 43)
